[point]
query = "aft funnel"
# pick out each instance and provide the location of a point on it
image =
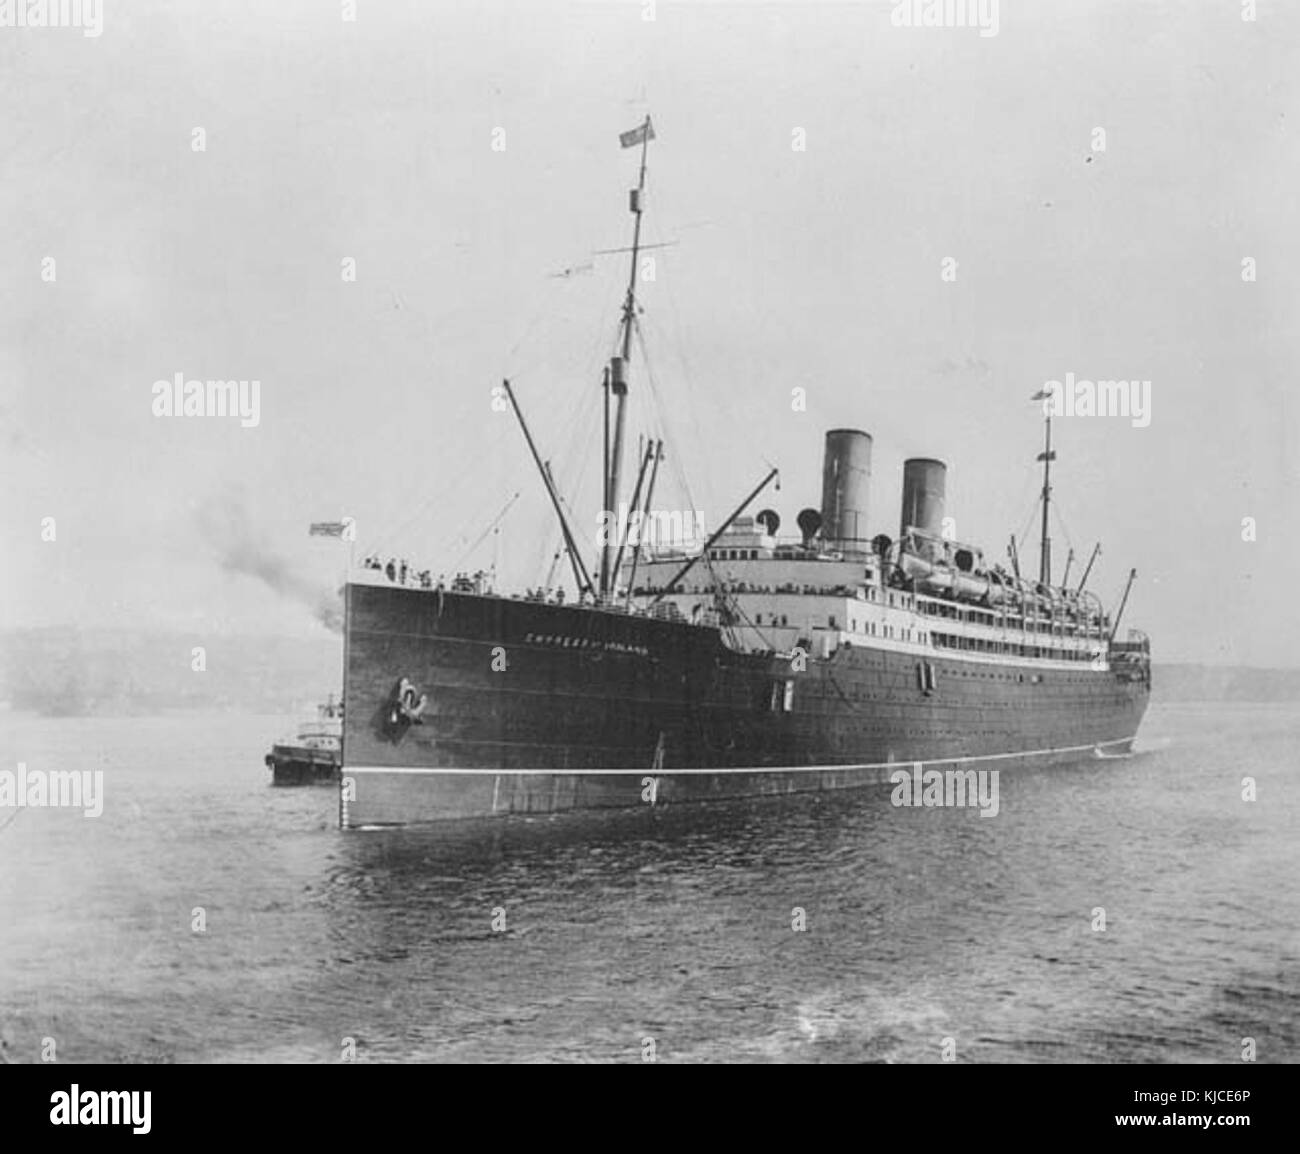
(924, 487)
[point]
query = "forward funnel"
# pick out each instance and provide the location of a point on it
(846, 485)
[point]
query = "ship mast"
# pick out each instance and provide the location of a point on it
(618, 364)
(1047, 457)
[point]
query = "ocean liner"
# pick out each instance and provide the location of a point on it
(750, 664)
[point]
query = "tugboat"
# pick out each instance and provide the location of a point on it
(314, 756)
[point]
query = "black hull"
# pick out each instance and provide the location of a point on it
(539, 708)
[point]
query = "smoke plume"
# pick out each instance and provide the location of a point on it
(242, 548)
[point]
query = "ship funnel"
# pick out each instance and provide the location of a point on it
(846, 484)
(924, 486)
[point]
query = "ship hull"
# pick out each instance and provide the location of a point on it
(538, 708)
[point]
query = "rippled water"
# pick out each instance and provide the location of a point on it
(671, 925)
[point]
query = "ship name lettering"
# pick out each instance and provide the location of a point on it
(569, 642)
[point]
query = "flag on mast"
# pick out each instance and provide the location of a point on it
(329, 528)
(642, 132)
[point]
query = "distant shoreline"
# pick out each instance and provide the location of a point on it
(71, 672)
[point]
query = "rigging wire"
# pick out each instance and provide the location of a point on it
(723, 596)
(585, 434)
(661, 411)
(687, 372)
(1024, 532)
(479, 540)
(1060, 522)
(666, 431)
(383, 539)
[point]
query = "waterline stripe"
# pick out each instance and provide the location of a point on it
(737, 770)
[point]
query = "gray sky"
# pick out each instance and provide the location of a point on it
(817, 269)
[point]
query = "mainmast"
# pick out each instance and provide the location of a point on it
(1047, 457)
(618, 364)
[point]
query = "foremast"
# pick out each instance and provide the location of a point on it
(618, 376)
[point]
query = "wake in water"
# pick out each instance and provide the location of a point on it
(1142, 748)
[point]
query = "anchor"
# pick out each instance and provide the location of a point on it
(406, 706)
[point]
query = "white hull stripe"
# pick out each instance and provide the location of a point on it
(735, 770)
